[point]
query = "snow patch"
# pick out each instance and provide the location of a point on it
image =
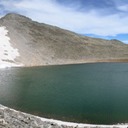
(7, 52)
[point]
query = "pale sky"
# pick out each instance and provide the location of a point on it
(98, 18)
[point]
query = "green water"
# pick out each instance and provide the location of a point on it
(86, 93)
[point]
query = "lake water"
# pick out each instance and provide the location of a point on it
(86, 93)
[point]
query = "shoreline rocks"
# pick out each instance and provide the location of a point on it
(10, 118)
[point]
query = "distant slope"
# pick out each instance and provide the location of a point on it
(41, 44)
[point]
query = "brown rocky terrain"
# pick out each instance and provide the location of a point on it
(42, 44)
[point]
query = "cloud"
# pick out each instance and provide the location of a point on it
(83, 18)
(125, 41)
(123, 7)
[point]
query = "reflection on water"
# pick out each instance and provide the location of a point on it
(91, 93)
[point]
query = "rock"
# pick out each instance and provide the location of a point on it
(10, 118)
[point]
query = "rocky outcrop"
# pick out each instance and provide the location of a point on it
(10, 118)
(42, 44)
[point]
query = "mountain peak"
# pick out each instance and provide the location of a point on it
(15, 16)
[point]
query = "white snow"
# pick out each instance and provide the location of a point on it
(7, 52)
(58, 122)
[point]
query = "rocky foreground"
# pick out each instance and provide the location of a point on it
(10, 118)
(29, 43)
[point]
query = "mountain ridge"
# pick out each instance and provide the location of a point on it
(41, 44)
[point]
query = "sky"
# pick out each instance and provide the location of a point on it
(106, 19)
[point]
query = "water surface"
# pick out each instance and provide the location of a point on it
(86, 93)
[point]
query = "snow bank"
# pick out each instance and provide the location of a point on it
(7, 52)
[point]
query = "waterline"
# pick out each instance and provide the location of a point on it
(45, 121)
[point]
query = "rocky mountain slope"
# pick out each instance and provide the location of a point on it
(41, 44)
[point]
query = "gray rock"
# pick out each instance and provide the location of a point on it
(10, 118)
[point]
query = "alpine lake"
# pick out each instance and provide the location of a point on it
(86, 93)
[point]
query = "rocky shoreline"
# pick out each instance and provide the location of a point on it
(10, 118)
